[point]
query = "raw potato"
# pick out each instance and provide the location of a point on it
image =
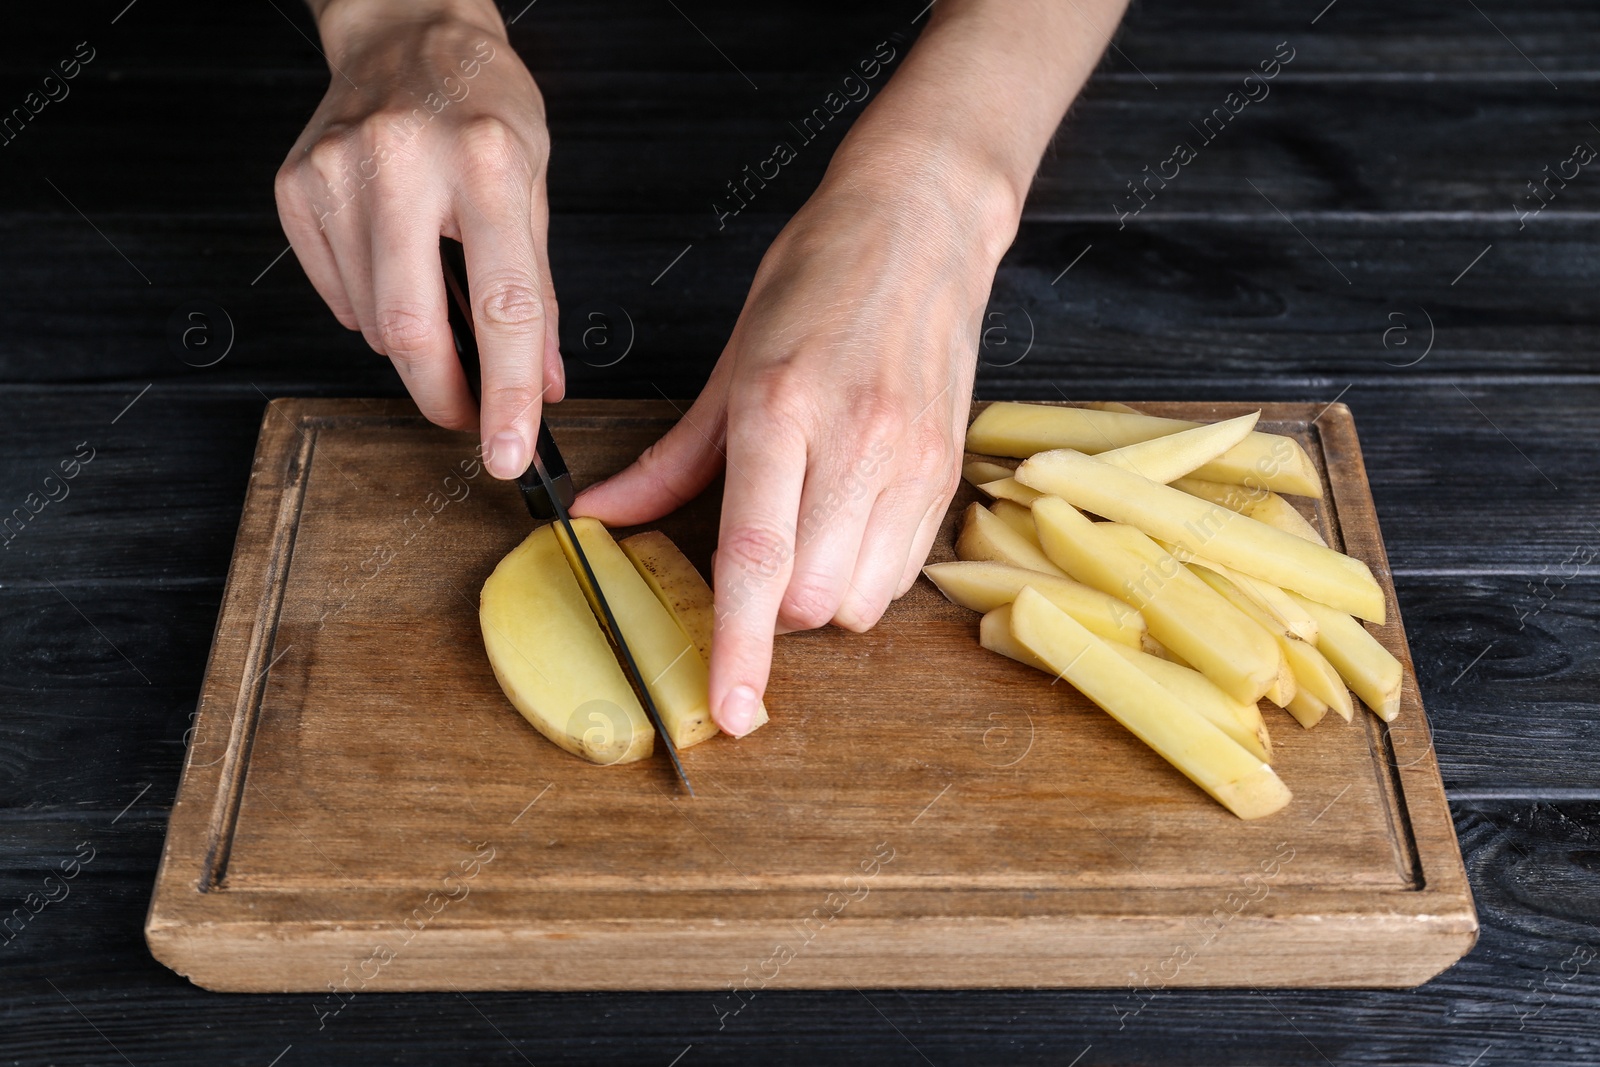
(986, 537)
(673, 671)
(1270, 461)
(1208, 757)
(1161, 459)
(552, 659)
(984, 586)
(1238, 720)
(1268, 598)
(1181, 611)
(1311, 668)
(1209, 530)
(1008, 488)
(978, 471)
(676, 583)
(1259, 504)
(1017, 516)
(1366, 666)
(1306, 709)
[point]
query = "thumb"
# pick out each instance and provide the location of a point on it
(667, 475)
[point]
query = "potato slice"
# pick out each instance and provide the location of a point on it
(1181, 611)
(673, 671)
(676, 583)
(978, 471)
(983, 586)
(1365, 665)
(1211, 759)
(1306, 709)
(1206, 529)
(985, 537)
(1270, 461)
(1161, 459)
(1311, 668)
(1259, 504)
(1009, 488)
(1017, 516)
(552, 659)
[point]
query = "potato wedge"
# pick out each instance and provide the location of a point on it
(1306, 709)
(1238, 720)
(1211, 759)
(1311, 668)
(985, 537)
(1180, 610)
(1270, 461)
(1161, 459)
(673, 671)
(1209, 530)
(552, 659)
(983, 586)
(1282, 612)
(1365, 665)
(1259, 504)
(682, 589)
(978, 471)
(1009, 488)
(1017, 516)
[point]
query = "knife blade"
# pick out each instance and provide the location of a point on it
(546, 488)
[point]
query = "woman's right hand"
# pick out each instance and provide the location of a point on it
(432, 126)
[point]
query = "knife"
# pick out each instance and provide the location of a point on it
(546, 488)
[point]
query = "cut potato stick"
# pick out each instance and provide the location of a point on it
(985, 537)
(1365, 665)
(1311, 668)
(1009, 488)
(1113, 405)
(1283, 612)
(1161, 459)
(1017, 516)
(682, 589)
(1211, 759)
(978, 471)
(1181, 611)
(1259, 504)
(1241, 722)
(1206, 529)
(984, 586)
(1306, 709)
(1270, 461)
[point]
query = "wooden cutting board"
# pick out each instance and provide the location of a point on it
(361, 809)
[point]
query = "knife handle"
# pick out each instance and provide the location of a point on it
(458, 304)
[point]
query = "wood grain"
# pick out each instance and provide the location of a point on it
(347, 705)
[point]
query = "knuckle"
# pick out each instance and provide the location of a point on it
(879, 420)
(404, 332)
(752, 548)
(492, 152)
(933, 458)
(515, 399)
(511, 302)
(860, 614)
(329, 153)
(809, 602)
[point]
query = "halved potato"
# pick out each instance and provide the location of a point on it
(984, 586)
(1270, 461)
(552, 659)
(1238, 541)
(679, 586)
(1211, 759)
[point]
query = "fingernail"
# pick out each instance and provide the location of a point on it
(508, 456)
(739, 710)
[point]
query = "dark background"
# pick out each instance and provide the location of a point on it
(1316, 250)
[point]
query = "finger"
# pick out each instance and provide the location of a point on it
(299, 211)
(555, 370)
(508, 303)
(667, 475)
(890, 535)
(755, 556)
(834, 510)
(922, 545)
(410, 317)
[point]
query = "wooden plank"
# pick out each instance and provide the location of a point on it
(1018, 878)
(1520, 991)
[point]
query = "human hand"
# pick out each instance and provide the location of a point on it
(432, 126)
(839, 406)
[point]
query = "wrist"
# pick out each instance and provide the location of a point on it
(343, 23)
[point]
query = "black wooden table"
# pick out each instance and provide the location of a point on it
(1366, 232)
